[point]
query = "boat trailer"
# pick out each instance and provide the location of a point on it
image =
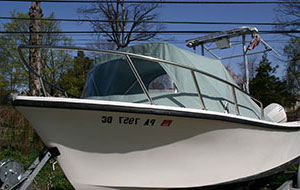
(12, 175)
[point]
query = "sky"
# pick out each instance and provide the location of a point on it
(177, 12)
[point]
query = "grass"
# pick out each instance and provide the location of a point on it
(20, 142)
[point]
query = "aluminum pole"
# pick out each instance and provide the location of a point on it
(246, 63)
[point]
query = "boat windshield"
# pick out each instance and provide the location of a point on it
(113, 76)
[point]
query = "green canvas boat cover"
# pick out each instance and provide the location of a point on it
(112, 79)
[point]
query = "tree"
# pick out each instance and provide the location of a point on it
(119, 30)
(35, 38)
(292, 52)
(288, 14)
(268, 88)
(73, 80)
(13, 75)
(100, 43)
(54, 62)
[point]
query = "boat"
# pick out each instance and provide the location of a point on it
(201, 130)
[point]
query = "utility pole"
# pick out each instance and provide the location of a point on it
(35, 13)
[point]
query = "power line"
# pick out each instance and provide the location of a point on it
(147, 32)
(267, 40)
(84, 34)
(157, 22)
(159, 2)
(89, 40)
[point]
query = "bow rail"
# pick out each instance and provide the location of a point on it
(129, 57)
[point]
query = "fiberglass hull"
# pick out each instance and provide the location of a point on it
(126, 145)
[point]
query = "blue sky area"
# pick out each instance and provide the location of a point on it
(176, 12)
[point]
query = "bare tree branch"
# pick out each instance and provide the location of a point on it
(119, 13)
(289, 15)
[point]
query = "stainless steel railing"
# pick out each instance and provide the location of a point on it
(128, 57)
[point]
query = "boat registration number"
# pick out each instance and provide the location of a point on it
(124, 120)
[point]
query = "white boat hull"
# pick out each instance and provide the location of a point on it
(114, 148)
